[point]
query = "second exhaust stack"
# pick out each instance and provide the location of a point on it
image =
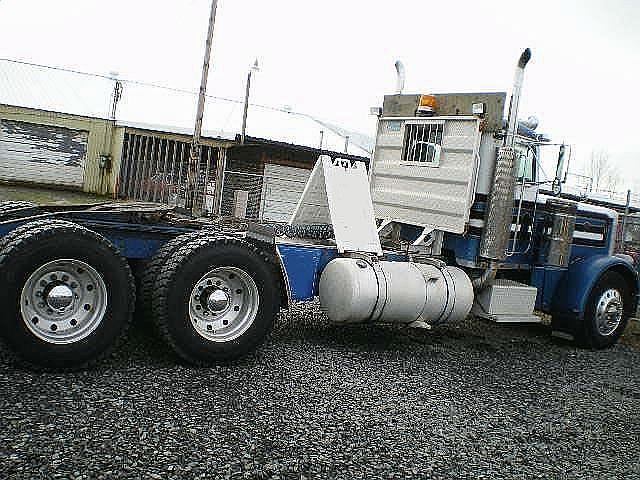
(499, 212)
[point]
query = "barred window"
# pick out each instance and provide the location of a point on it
(422, 143)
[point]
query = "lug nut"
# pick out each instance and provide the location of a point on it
(73, 322)
(53, 327)
(65, 278)
(53, 277)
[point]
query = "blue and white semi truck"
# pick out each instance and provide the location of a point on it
(448, 221)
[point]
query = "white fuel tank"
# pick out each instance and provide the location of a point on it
(355, 291)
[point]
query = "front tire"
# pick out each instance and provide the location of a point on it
(66, 292)
(607, 312)
(216, 299)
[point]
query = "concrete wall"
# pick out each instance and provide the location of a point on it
(103, 139)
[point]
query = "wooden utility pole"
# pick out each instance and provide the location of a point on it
(194, 157)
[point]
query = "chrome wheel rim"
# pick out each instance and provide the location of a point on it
(609, 311)
(63, 301)
(223, 304)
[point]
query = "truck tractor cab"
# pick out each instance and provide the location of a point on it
(457, 178)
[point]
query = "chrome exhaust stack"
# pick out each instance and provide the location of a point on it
(400, 77)
(499, 211)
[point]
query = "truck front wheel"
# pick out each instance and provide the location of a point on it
(607, 312)
(216, 299)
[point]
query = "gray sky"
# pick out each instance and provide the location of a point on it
(334, 59)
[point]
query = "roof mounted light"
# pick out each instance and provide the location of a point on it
(427, 106)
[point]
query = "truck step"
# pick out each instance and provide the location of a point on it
(507, 301)
(512, 318)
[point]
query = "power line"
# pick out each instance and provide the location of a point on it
(144, 84)
(182, 91)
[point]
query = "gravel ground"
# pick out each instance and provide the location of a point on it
(476, 401)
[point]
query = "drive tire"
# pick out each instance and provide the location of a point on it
(12, 208)
(105, 295)
(180, 276)
(590, 334)
(153, 268)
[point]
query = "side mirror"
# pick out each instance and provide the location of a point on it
(561, 169)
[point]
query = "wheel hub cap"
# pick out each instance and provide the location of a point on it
(218, 301)
(63, 301)
(60, 297)
(224, 303)
(609, 311)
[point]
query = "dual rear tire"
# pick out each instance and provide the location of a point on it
(68, 296)
(215, 299)
(66, 292)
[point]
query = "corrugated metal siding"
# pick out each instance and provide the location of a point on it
(282, 188)
(96, 180)
(42, 154)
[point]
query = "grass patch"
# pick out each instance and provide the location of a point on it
(45, 196)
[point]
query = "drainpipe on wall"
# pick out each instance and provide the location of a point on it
(106, 158)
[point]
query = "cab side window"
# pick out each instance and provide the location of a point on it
(526, 162)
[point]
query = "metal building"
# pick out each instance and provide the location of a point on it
(56, 129)
(56, 149)
(261, 179)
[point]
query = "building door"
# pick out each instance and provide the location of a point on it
(42, 154)
(282, 188)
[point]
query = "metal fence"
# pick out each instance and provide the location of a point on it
(154, 169)
(241, 195)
